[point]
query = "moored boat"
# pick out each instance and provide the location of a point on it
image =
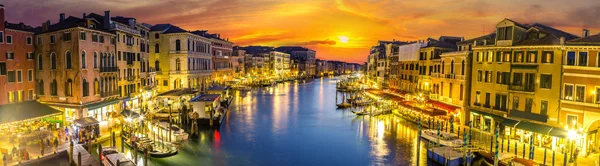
(446, 139)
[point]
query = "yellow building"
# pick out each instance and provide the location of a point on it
(516, 82)
(181, 59)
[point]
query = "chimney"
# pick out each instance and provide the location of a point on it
(562, 40)
(2, 16)
(45, 26)
(106, 19)
(132, 23)
(84, 15)
(61, 17)
(586, 33)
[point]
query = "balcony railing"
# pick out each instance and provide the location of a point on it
(450, 76)
(109, 93)
(525, 88)
(461, 77)
(109, 69)
(435, 75)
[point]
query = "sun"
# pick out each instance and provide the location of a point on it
(343, 39)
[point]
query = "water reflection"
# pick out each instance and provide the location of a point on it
(297, 123)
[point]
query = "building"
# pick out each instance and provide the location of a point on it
(430, 62)
(580, 89)
(379, 61)
(71, 57)
(222, 50)
(17, 67)
(408, 57)
(305, 59)
(182, 59)
(516, 83)
(238, 60)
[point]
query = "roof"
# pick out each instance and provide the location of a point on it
(219, 88)
(27, 110)
(20, 26)
(489, 38)
(451, 39)
(87, 121)
(590, 40)
(290, 49)
(177, 92)
(440, 44)
(167, 28)
(553, 37)
(257, 49)
(71, 22)
(121, 19)
(205, 98)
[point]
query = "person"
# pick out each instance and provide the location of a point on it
(56, 143)
(14, 151)
(4, 159)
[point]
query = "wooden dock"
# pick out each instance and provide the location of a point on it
(86, 158)
(445, 156)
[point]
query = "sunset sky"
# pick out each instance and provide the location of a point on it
(336, 29)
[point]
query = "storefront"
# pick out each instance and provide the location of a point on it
(104, 112)
(27, 121)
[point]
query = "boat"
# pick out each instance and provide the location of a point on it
(344, 105)
(241, 88)
(446, 139)
(360, 113)
(143, 143)
(110, 156)
(506, 159)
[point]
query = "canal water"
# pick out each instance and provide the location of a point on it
(298, 124)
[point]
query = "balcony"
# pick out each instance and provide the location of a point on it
(109, 93)
(461, 77)
(131, 78)
(525, 88)
(109, 69)
(450, 76)
(435, 75)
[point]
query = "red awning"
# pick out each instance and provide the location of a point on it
(444, 106)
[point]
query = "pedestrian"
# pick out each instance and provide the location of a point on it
(14, 151)
(56, 143)
(4, 159)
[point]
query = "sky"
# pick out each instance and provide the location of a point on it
(337, 29)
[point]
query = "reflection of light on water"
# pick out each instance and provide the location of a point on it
(380, 130)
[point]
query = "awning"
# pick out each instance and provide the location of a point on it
(487, 114)
(558, 132)
(130, 114)
(85, 122)
(510, 122)
(444, 106)
(534, 127)
(24, 111)
(101, 104)
(177, 92)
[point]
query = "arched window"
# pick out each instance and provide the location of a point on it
(86, 88)
(443, 66)
(53, 60)
(156, 48)
(96, 86)
(177, 64)
(53, 88)
(40, 62)
(95, 60)
(452, 67)
(157, 65)
(83, 66)
(68, 59)
(177, 45)
(40, 87)
(462, 68)
(69, 87)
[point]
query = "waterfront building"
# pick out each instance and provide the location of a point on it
(222, 50)
(303, 57)
(430, 61)
(17, 66)
(516, 83)
(181, 59)
(238, 59)
(580, 86)
(408, 62)
(132, 44)
(71, 57)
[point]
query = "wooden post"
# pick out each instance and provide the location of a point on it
(99, 153)
(118, 162)
(79, 158)
(135, 153)
(524, 150)
(122, 144)
(545, 156)
(71, 153)
(146, 156)
(553, 156)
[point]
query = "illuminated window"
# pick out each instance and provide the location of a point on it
(568, 92)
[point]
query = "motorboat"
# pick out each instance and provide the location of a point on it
(344, 105)
(444, 138)
(110, 156)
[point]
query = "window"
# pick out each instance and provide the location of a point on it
(95, 60)
(531, 57)
(3, 68)
(52, 39)
(19, 76)
(499, 77)
(507, 56)
(487, 99)
(40, 63)
(500, 102)
(83, 66)
(572, 120)
(461, 92)
(30, 56)
(571, 58)
(11, 76)
(156, 36)
(101, 38)
(156, 48)
(580, 93)
(477, 97)
(8, 39)
(10, 55)
(96, 86)
(480, 57)
(488, 76)
(66, 36)
(515, 103)
(11, 97)
(583, 58)
(69, 87)
(546, 81)
(528, 104)
(29, 40)
(94, 37)
(40, 87)
(39, 40)
(547, 57)
(568, 94)
(518, 79)
(462, 68)
(165, 82)
(53, 60)
(479, 76)
(86, 88)
(82, 36)
(1, 37)
(68, 59)
(518, 57)
(504, 33)
(490, 56)
(544, 107)
(177, 45)
(157, 65)
(177, 65)
(53, 88)
(29, 75)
